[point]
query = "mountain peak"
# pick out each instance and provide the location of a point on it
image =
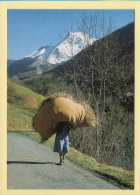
(65, 50)
(41, 48)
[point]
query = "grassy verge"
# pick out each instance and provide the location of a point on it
(119, 175)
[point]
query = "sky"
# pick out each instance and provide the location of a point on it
(28, 30)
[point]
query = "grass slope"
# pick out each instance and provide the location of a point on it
(19, 118)
(21, 107)
(22, 96)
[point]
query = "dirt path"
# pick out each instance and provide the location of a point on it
(31, 165)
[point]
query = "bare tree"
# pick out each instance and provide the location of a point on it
(99, 65)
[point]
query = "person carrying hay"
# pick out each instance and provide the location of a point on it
(58, 114)
(61, 144)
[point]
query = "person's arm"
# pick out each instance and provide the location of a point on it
(72, 128)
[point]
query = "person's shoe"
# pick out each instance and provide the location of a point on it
(61, 161)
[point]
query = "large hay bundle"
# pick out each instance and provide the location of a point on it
(62, 107)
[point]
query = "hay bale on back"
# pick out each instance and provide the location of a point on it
(62, 107)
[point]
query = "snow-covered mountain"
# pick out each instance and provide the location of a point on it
(44, 52)
(69, 47)
(46, 58)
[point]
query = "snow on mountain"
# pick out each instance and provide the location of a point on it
(43, 51)
(73, 44)
(69, 47)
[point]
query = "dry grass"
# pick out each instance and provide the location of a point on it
(90, 117)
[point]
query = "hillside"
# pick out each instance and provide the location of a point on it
(22, 104)
(121, 40)
(124, 38)
(9, 62)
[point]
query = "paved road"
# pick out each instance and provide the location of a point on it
(31, 165)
